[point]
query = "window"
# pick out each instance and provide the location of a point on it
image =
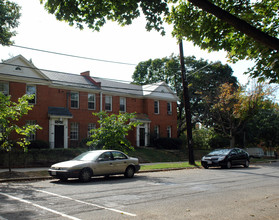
(31, 136)
(31, 90)
(156, 131)
(74, 131)
(118, 155)
(91, 101)
(108, 103)
(90, 127)
(74, 100)
(122, 104)
(156, 107)
(4, 88)
(169, 132)
(105, 156)
(169, 108)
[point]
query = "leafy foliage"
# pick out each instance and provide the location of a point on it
(9, 15)
(94, 14)
(204, 80)
(113, 131)
(245, 29)
(209, 32)
(262, 127)
(233, 107)
(10, 113)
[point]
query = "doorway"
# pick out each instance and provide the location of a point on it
(59, 136)
(142, 136)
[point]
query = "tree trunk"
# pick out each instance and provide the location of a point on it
(238, 24)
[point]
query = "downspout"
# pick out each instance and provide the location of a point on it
(101, 101)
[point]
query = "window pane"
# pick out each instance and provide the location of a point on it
(74, 100)
(31, 136)
(169, 132)
(108, 103)
(31, 90)
(169, 108)
(90, 127)
(91, 101)
(4, 88)
(156, 107)
(74, 131)
(122, 104)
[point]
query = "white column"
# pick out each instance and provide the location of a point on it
(65, 123)
(51, 133)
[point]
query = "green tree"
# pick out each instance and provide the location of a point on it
(245, 29)
(233, 108)
(9, 16)
(113, 131)
(204, 79)
(10, 114)
(261, 127)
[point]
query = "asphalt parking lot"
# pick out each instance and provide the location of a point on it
(238, 193)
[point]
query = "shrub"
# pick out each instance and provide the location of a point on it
(167, 143)
(38, 144)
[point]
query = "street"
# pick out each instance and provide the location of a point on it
(237, 193)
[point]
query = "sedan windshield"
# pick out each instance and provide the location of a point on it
(220, 152)
(90, 155)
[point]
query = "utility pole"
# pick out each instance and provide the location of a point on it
(186, 105)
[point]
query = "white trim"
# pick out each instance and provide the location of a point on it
(52, 123)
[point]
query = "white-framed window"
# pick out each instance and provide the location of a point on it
(122, 104)
(108, 103)
(31, 90)
(156, 131)
(90, 127)
(4, 88)
(169, 108)
(169, 131)
(74, 100)
(156, 107)
(91, 101)
(31, 136)
(74, 131)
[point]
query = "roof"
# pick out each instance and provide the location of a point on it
(67, 79)
(30, 73)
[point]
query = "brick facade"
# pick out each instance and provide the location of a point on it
(53, 92)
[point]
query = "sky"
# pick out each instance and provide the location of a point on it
(130, 44)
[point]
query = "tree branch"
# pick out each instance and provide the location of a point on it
(238, 24)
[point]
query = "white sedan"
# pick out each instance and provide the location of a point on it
(95, 163)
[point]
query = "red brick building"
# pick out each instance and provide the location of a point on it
(64, 103)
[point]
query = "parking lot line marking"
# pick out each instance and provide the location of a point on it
(87, 203)
(39, 206)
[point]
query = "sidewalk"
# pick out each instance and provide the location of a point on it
(25, 169)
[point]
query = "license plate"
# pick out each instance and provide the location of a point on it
(53, 173)
(209, 162)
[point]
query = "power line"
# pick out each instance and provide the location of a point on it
(75, 56)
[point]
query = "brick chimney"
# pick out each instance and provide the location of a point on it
(86, 74)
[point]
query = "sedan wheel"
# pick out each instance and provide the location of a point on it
(246, 165)
(229, 165)
(85, 175)
(130, 171)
